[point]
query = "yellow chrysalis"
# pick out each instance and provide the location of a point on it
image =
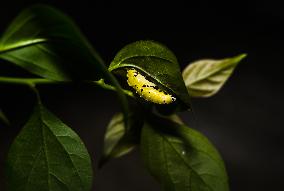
(146, 89)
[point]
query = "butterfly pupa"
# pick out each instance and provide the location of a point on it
(146, 89)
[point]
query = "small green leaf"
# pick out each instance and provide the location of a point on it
(115, 131)
(118, 141)
(175, 118)
(3, 118)
(205, 78)
(181, 158)
(155, 61)
(47, 43)
(48, 156)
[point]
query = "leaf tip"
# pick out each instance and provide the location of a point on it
(241, 57)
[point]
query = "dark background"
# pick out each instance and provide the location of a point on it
(244, 120)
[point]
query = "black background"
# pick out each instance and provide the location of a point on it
(244, 120)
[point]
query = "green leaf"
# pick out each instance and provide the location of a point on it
(205, 78)
(3, 118)
(157, 62)
(181, 158)
(175, 118)
(48, 156)
(114, 133)
(47, 43)
(119, 142)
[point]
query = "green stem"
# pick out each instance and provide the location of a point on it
(36, 81)
(26, 81)
(102, 84)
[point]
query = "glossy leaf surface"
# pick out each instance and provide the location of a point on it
(181, 158)
(47, 43)
(48, 156)
(205, 78)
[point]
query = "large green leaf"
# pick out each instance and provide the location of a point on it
(3, 118)
(118, 141)
(181, 158)
(157, 62)
(48, 156)
(47, 43)
(205, 78)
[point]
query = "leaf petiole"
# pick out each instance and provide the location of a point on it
(103, 85)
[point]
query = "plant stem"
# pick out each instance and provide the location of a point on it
(35, 81)
(26, 81)
(102, 84)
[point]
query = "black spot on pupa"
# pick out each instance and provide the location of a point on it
(141, 90)
(144, 86)
(156, 87)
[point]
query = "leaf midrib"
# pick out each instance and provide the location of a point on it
(23, 44)
(185, 162)
(225, 66)
(72, 162)
(33, 165)
(45, 150)
(142, 56)
(46, 125)
(204, 152)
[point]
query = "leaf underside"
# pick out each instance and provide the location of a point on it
(205, 78)
(118, 141)
(114, 146)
